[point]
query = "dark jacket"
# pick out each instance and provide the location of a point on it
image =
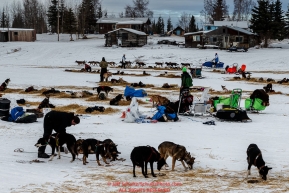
(103, 64)
(57, 121)
(187, 80)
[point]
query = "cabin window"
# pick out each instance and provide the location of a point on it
(113, 26)
(124, 36)
(16, 33)
(224, 30)
(239, 39)
(213, 39)
(196, 38)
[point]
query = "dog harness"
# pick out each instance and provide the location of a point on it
(153, 152)
(255, 161)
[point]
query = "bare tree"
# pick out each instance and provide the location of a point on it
(242, 9)
(139, 9)
(17, 14)
(184, 21)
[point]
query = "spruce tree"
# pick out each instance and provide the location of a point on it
(52, 16)
(278, 23)
(192, 25)
(169, 25)
(4, 19)
(69, 23)
(287, 23)
(261, 21)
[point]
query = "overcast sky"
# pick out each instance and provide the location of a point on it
(163, 8)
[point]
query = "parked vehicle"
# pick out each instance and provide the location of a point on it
(237, 49)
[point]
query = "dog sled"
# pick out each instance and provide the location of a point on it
(196, 108)
(254, 105)
(196, 72)
(232, 69)
(231, 112)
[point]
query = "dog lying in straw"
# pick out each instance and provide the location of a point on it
(177, 152)
(116, 100)
(4, 84)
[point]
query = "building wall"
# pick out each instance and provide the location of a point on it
(18, 35)
(126, 38)
(105, 27)
(192, 41)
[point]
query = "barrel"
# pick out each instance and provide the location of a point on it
(4, 107)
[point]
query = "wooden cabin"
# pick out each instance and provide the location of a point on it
(227, 36)
(17, 34)
(104, 25)
(194, 39)
(125, 37)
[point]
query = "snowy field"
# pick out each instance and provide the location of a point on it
(220, 150)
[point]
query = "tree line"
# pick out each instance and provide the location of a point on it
(267, 18)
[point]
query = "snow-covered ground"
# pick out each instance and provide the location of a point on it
(220, 150)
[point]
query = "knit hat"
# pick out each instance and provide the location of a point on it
(76, 119)
(184, 69)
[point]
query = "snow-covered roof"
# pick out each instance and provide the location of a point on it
(130, 22)
(138, 20)
(129, 30)
(241, 24)
(241, 30)
(198, 32)
(14, 29)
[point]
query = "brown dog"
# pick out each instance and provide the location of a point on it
(106, 76)
(80, 62)
(177, 152)
(159, 100)
(159, 64)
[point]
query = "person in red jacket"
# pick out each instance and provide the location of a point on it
(87, 68)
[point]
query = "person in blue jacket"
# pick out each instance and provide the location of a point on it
(163, 115)
(16, 113)
(216, 59)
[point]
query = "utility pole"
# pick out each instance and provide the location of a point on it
(58, 19)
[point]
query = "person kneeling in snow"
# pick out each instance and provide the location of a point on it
(18, 115)
(165, 114)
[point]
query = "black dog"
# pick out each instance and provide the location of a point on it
(140, 156)
(45, 104)
(57, 140)
(111, 149)
(116, 100)
(51, 91)
(4, 84)
(254, 157)
(106, 89)
(96, 108)
(92, 146)
(268, 88)
(261, 94)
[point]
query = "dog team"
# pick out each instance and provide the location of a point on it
(107, 149)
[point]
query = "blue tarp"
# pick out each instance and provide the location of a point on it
(131, 92)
